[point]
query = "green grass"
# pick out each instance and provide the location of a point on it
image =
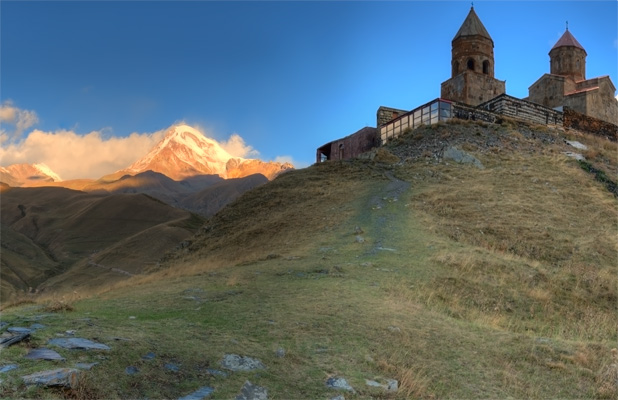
(494, 283)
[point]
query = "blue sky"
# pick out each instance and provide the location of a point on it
(285, 76)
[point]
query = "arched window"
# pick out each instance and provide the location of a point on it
(486, 67)
(471, 64)
(455, 68)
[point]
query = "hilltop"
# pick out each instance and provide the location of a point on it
(463, 260)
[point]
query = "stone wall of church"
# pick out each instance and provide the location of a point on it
(549, 90)
(523, 110)
(579, 121)
(472, 88)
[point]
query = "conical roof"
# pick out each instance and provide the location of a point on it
(566, 40)
(472, 26)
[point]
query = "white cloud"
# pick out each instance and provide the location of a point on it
(20, 119)
(72, 155)
(289, 159)
(237, 147)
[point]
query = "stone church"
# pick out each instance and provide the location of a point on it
(566, 84)
(563, 97)
(473, 83)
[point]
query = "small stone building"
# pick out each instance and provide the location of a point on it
(472, 65)
(566, 85)
(350, 146)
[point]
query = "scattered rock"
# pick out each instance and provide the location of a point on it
(171, 367)
(250, 391)
(358, 230)
(216, 372)
(78, 343)
(461, 157)
(369, 382)
(576, 156)
(86, 366)
(3, 324)
(339, 384)
(149, 356)
(19, 330)
(36, 327)
(67, 377)
(576, 144)
(8, 368)
(385, 248)
(131, 370)
(280, 352)
(394, 329)
(235, 362)
(8, 341)
(360, 239)
(199, 394)
(70, 332)
(132, 317)
(43, 354)
(340, 397)
(391, 385)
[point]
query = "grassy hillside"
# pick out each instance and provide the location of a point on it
(60, 237)
(457, 281)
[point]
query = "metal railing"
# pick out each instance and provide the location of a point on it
(427, 114)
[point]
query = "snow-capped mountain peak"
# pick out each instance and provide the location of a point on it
(27, 175)
(45, 170)
(186, 152)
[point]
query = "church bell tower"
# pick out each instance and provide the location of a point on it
(472, 79)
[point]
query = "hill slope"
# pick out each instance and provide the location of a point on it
(458, 281)
(47, 231)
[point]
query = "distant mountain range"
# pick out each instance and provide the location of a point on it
(176, 171)
(183, 153)
(56, 232)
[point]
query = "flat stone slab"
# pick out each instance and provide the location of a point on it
(36, 327)
(19, 329)
(339, 384)
(461, 157)
(43, 354)
(77, 343)
(149, 356)
(249, 391)
(577, 144)
(199, 394)
(391, 385)
(7, 368)
(67, 377)
(8, 341)
(235, 362)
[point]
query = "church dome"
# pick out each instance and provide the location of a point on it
(472, 26)
(568, 40)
